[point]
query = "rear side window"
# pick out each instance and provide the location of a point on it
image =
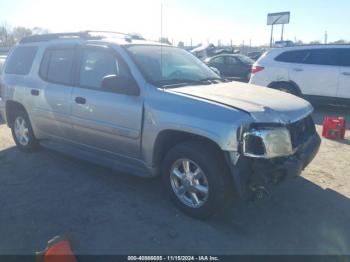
(57, 66)
(21, 60)
(344, 56)
(296, 56)
(322, 57)
(218, 60)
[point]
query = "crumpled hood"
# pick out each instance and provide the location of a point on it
(263, 104)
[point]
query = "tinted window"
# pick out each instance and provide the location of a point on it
(44, 65)
(297, 56)
(60, 66)
(344, 56)
(218, 60)
(232, 60)
(96, 65)
(21, 60)
(322, 57)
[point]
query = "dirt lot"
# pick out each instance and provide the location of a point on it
(45, 193)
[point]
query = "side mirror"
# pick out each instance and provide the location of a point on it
(121, 85)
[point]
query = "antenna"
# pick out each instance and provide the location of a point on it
(161, 38)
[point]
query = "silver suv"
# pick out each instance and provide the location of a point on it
(152, 109)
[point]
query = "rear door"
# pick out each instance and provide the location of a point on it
(315, 71)
(219, 63)
(102, 119)
(344, 73)
(236, 69)
(53, 108)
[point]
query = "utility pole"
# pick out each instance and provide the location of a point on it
(325, 37)
(282, 32)
(271, 36)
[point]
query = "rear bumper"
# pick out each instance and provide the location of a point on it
(250, 174)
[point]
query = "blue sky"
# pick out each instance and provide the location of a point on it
(201, 20)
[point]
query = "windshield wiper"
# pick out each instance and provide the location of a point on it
(184, 82)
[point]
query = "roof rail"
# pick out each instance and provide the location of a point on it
(48, 37)
(81, 35)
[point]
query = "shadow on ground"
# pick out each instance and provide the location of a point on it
(44, 194)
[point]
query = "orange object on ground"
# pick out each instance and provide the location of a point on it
(58, 250)
(334, 128)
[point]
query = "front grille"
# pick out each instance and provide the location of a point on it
(301, 131)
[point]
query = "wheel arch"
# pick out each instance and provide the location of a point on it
(167, 139)
(290, 83)
(11, 107)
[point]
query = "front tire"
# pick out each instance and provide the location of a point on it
(22, 131)
(196, 178)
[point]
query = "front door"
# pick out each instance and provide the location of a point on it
(102, 119)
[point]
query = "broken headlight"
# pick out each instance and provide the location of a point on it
(267, 143)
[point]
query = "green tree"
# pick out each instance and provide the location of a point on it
(19, 32)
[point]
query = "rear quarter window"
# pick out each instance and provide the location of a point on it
(344, 57)
(295, 56)
(21, 60)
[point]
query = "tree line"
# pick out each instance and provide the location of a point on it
(9, 36)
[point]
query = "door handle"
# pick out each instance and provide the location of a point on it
(298, 69)
(80, 100)
(34, 92)
(346, 73)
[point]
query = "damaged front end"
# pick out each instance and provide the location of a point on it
(271, 153)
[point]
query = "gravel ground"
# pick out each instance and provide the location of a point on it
(44, 194)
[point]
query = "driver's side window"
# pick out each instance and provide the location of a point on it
(96, 65)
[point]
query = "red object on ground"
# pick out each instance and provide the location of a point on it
(334, 128)
(58, 250)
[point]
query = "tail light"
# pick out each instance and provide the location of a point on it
(257, 69)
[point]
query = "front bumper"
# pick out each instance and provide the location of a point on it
(250, 173)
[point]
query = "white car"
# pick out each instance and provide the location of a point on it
(319, 73)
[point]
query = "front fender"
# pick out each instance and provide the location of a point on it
(167, 111)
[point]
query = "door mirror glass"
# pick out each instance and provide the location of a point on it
(121, 85)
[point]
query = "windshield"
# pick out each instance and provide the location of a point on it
(163, 65)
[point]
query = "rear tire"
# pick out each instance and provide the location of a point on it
(287, 88)
(22, 131)
(202, 189)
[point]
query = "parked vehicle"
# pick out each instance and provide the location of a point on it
(2, 61)
(319, 73)
(204, 51)
(233, 67)
(255, 55)
(285, 43)
(152, 109)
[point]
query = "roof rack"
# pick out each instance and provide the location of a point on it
(48, 37)
(80, 35)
